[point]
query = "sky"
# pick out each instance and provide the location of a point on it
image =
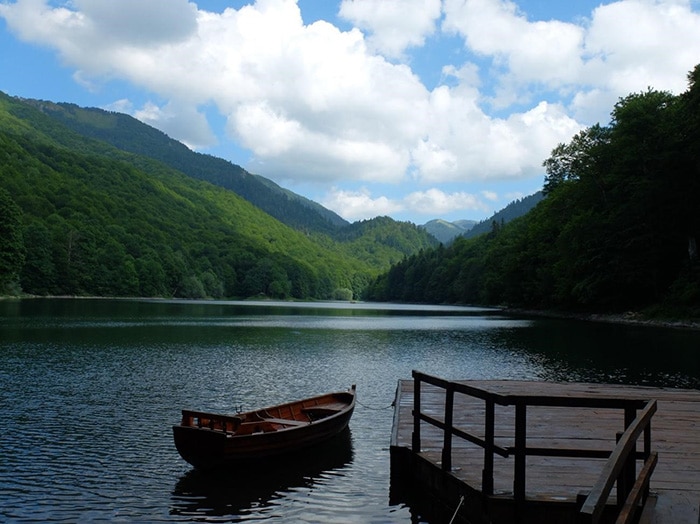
(414, 109)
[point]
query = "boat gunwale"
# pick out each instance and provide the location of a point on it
(347, 398)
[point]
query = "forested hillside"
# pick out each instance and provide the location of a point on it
(446, 232)
(512, 211)
(80, 217)
(128, 134)
(617, 230)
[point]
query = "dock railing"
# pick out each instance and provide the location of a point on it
(620, 467)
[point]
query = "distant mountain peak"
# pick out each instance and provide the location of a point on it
(446, 231)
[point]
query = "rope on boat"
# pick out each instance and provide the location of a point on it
(461, 500)
(376, 409)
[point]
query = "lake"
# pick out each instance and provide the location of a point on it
(90, 389)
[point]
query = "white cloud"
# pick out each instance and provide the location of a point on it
(435, 202)
(355, 205)
(89, 33)
(638, 41)
(137, 22)
(190, 126)
(491, 196)
(464, 144)
(542, 52)
(310, 101)
(634, 44)
(122, 105)
(625, 46)
(316, 104)
(394, 25)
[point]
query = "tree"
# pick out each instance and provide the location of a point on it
(688, 173)
(213, 286)
(151, 277)
(11, 243)
(578, 159)
(39, 273)
(342, 293)
(192, 288)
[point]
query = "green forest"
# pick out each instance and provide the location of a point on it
(616, 231)
(95, 203)
(81, 217)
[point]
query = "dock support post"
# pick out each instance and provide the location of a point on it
(415, 437)
(520, 441)
(487, 475)
(447, 438)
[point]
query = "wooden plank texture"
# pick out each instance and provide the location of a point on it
(675, 436)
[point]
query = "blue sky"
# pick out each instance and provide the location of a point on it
(415, 109)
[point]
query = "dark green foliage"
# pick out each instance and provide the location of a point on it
(617, 230)
(99, 221)
(382, 238)
(11, 242)
(39, 272)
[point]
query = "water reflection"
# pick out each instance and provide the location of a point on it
(210, 495)
(74, 372)
(577, 351)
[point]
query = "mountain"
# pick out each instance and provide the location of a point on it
(465, 224)
(97, 220)
(515, 209)
(445, 231)
(129, 134)
(379, 239)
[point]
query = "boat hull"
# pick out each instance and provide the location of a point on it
(213, 447)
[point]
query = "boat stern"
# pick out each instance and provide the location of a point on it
(203, 448)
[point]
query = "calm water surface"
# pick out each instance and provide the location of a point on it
(91, 388)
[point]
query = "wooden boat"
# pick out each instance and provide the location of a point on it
(208, 440)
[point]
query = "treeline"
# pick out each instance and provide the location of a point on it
(617, 229)
(79, 217)
(92, 226)
(515, 209)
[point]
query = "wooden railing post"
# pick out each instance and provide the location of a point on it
(647, 454)
(415, 440)
(520, 444)
(629, 472)
(487, 475)
(447, 437)
(615, 471)
(621, 481)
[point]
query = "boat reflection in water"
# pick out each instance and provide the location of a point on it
(252, 488)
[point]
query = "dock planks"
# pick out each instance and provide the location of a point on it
(675, 435)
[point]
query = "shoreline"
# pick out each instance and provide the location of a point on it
(630, 318)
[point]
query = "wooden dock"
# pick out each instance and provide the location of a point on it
(554, 488)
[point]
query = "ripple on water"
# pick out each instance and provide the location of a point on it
(89, 400)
